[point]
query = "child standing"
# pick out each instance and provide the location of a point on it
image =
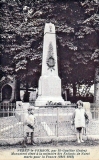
(28, 124)
(79, 120)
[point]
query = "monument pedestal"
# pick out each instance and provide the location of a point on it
(43, 101)
(49, 90)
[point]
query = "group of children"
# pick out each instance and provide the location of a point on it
(79, 118)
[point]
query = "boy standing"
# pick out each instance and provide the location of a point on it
(28, 125)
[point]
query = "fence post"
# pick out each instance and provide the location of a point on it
(13, 111)
(57, 121)
(3, 111)
(11, 107)
(8, 111)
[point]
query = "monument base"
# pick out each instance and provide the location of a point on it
(45, 100)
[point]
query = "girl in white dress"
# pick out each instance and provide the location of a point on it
(79, 120)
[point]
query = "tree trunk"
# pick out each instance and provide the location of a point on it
(96, 87)
(26, 95)
(74, 93)
(18, 90)
(74, 90)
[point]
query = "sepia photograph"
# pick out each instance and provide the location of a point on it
(49, 83)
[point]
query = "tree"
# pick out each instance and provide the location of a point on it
(95, 58)
(77, 30)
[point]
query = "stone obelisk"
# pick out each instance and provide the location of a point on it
(49, 83)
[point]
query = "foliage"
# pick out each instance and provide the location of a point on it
(95, 56)
(77, 31)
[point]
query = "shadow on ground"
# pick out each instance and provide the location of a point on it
(87, 143)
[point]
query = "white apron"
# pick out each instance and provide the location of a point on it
(79, 118)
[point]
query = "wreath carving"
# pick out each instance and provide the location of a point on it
(50, 59)
(51, 62)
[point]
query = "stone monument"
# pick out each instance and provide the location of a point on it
(49, 83)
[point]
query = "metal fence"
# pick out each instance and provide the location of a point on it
(50, 122)
(56, 122)
(94, 110)
(7, 109)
